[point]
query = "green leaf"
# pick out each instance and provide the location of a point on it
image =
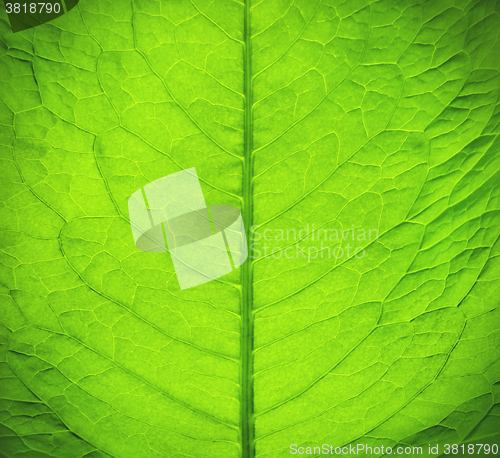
(361, 142)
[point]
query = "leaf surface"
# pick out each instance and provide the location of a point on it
(360, 141)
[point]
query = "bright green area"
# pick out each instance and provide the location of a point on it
(311, 116)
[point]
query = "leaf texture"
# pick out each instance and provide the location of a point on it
(315, 117)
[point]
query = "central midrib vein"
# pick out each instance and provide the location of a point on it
(246, 376)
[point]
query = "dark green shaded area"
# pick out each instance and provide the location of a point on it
(26, 20)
